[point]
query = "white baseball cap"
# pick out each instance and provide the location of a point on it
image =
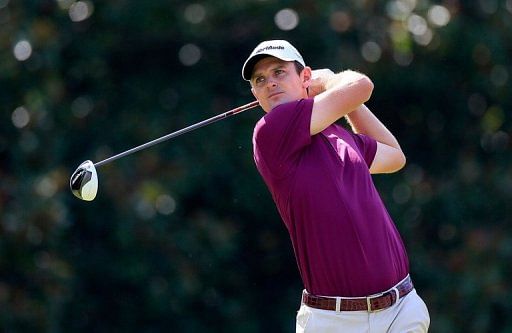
(276, 48)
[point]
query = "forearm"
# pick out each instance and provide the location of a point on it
(325, 79)
(362, 120)
(336, 95)
(342, 78)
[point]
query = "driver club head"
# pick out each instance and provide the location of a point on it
(84, 181)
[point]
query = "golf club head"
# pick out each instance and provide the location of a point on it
(84, 181)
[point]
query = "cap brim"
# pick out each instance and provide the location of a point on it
(250, 63)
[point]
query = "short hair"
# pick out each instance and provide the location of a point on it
(298, 67)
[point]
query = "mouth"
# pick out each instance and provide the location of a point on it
(274, 94)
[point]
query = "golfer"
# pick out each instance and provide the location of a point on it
(351, 258)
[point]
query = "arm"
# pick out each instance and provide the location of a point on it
(389, 156)
(343, 94)
(336, 95)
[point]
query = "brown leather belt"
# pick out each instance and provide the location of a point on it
(371, 303)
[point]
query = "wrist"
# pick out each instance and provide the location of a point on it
(343, 78)
(322, 77)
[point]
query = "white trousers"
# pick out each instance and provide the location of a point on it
(408, 315)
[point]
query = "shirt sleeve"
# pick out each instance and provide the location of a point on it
(280, 136)
(367, 147)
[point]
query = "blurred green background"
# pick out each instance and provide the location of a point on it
(184, 237)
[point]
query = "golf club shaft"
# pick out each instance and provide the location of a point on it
(179, 132)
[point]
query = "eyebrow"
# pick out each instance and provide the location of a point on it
(279, 66)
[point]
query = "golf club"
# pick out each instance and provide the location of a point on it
(84, 181)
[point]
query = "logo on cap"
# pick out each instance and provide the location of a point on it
(269, 48)
(281, 49)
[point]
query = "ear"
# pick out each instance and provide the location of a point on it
(306, 76)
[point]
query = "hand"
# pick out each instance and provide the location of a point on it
(319, 77)
(324, 72)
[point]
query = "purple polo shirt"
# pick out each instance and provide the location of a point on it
(344, 240)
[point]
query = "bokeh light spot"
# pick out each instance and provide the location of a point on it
(493, 119)
(165, 204)
(22, 50)
(3, 3)
(81, 107)
(402, 193)
(489, 6)
(340, 21)
(286, 19)
(80, 11)
(499, 75)
(371, 51)
(195, 13)
(144, 209)
(439, 15)
(46, 187)
(403, 58)
(400, 9)
(425, 38)
(414, 174)
(189, 54)
(417, 25)
(477, 104)
(20, 117)
(65, 4)
(398, 34)
(498, 141)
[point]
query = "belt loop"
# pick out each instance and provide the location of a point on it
(338, 304)
(397, 292)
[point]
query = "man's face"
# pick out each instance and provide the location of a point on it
(275, 82)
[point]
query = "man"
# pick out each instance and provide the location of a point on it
(351, 258)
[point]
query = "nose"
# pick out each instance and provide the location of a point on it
(271, 83)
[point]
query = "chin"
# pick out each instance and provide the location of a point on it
(273, 105)
(278, 102)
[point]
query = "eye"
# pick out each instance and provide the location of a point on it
(259, 80)
(278, 71)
